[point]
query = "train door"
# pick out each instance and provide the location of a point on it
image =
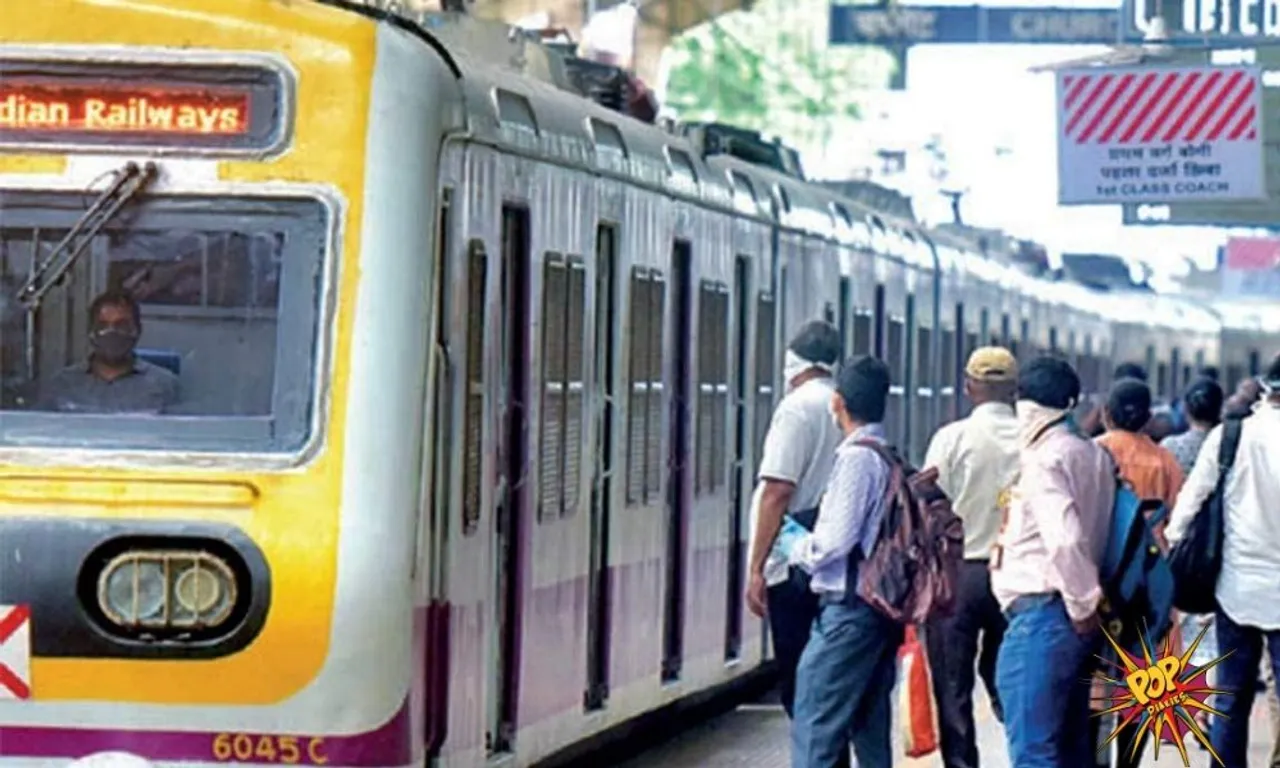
(606, 321)
(436, 488)
(677, 461)
(513, 363)
(738, 473)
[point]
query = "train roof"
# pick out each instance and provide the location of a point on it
(519, 93)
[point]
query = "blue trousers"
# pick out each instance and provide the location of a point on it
(1043, 678)
(843, 688)
(1238, 673)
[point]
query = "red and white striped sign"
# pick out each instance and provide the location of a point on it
(1158, 135)
(15, 652)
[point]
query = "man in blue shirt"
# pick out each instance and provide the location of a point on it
(846, 674)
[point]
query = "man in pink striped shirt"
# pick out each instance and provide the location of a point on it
(1045, 574)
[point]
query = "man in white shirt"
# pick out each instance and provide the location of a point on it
(1248, 612)
(799, 451)
(977, 462)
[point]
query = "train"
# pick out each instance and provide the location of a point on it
(473, 371)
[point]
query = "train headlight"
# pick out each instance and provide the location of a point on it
(167, 589)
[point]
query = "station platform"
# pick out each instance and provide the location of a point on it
(755, 736)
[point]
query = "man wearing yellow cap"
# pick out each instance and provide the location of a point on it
(977, 461)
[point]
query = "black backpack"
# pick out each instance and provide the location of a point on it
(1196, 560)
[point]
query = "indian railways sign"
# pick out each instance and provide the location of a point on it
(1159, 135)
(921, 24)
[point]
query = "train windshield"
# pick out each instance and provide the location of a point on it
(171, 324)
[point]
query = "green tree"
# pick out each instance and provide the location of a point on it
(770, 70)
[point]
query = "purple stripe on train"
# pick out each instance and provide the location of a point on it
(388, 745)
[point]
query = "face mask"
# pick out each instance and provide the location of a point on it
(112, 345)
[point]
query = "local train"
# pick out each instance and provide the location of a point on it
(473, 374)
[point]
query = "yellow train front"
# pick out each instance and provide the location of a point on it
(226, 572)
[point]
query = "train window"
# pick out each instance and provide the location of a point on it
(644, 390)
(896, 350)
(878, 323)
(563, 330)
(924, 358)
(712, 439)
(862, 334)
(766, 368)
(1176, 380)
(1162, 380)
(1025, 342)
(473, 414)
(947, 389)
(984, 328)
(842, 322)
(1255, 362)
(229, 292)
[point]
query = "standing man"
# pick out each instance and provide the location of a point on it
(799, 451)
(1044, 572)
(846, 674)
(1248, 615)
(977, 462)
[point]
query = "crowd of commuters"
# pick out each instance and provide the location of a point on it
(1034, 480)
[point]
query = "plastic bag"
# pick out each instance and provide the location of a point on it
(917, 710)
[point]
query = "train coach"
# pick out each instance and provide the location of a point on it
(471, 378)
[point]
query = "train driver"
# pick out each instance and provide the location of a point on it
(113, 379)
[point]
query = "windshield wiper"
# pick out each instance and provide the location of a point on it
(129, 181)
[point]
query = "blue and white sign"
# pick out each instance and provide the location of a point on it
(1223, 22)
(929, 24)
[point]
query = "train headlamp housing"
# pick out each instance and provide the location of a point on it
(167, 589)
(156, 590)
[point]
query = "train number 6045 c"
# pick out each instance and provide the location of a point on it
(288, 750)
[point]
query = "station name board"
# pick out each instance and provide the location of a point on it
(1225, 21)
(42, 104)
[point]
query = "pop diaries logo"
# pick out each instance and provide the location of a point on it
(1160, 696)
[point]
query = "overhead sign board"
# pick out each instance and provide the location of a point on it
(927, 24)
(1233, 22)
(1159, 134)
(1252, 267)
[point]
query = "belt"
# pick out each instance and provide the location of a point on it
(1030, 602)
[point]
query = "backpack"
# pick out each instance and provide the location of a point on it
(1196, 560)
(913, 571)
(1137, 582)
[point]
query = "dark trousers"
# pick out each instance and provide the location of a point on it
(972, 632)
(1238, 673)
(792, 610)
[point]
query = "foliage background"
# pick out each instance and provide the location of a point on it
(771, 70)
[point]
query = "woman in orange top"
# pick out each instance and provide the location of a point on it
(1150, 470)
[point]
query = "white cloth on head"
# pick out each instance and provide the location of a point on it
(793, 365)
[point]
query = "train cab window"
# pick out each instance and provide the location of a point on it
(713, 386)
(473, 413)
(766, 368)
(189, 324)
(644, 391)
(563, 332)
(863, 334)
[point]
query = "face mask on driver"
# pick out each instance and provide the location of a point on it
(112, 344)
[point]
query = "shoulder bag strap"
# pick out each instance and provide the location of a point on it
(1231, 430)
